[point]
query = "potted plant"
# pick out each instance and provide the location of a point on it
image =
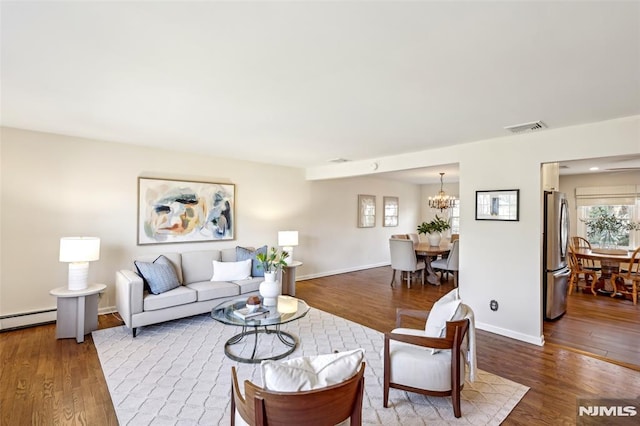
(434, 229)
(271, 262)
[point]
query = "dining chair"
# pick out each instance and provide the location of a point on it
(578, 242)
(578, 269)
(449, 263)
(400, 236)
(455, 237)
(405, 260)
(626, 281)
(431, 361)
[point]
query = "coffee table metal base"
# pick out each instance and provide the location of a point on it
(288, 340)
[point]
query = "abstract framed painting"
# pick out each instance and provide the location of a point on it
(177, 211)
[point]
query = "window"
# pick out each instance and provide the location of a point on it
(390, 211)
(454, 217)
(605, 213)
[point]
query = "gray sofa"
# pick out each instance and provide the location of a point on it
(195, 295)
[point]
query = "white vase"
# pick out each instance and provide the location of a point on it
(270, 289)
(434, 238)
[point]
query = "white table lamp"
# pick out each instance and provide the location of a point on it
(79, 251)
(287, 240)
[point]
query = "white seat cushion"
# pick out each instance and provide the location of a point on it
(178, 296)
(416, 366)
(207, 290)
(247, 286)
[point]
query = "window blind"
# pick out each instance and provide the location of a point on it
(606, 195)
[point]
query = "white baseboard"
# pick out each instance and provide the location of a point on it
(27, 320)
(535, 340)
(340, 271)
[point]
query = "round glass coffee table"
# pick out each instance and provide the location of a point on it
(268, 324)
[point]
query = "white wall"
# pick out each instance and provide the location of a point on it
(502, 260)
(54, 186)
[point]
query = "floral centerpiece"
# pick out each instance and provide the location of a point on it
(271, 262)
(434, 228)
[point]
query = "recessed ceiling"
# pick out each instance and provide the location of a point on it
(301, 83)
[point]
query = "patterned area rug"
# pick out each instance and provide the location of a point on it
(176, 373)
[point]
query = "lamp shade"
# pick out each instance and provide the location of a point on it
(287, 238)
(79, 249)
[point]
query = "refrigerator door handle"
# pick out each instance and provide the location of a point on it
(563, 273)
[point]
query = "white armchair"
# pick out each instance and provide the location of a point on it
(433, 361)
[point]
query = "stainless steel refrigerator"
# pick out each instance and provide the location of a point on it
(555, 252)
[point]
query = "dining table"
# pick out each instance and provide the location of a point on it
(428, 252)
(610, 261)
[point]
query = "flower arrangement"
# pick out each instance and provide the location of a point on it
(436, 225)
(272, 261)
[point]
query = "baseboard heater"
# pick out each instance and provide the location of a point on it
(27, 319)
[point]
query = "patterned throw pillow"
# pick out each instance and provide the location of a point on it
(160, 275)
(243, 253)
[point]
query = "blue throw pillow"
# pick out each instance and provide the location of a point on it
(243, 253)
(160, 275)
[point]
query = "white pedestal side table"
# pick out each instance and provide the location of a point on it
(289, 278)
(77, 311)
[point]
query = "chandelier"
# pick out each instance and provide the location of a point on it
(441, 201)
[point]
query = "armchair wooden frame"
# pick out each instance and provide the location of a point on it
(455, 333)
(321, 407)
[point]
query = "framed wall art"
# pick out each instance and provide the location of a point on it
(176, 211)
(390, 207)
(366, 211)
(498, 205)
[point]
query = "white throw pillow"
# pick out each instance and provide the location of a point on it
(442, 311)
(313, 372)
(231, 271)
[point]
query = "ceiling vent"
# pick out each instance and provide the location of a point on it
(526, 127)
(338, 160)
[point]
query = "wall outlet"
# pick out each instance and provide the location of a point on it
(493, 305)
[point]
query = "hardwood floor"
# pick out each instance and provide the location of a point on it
(49, 381)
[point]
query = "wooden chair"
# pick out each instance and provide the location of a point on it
(578, 269)
(409, 365)
(404, 259)
(626, 282)
(321, 407)
(579, 242)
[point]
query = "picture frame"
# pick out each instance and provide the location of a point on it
(366, 211)
(503, 204)
(180, 211)
(390, 209)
